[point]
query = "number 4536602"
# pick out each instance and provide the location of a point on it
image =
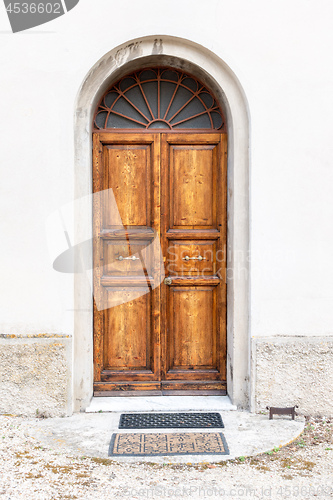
(34, 8)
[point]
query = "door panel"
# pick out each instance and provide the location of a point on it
(119, 255)
(128, 340)
(183, 257)
(128, 172)
(194, 235)
(192, 330)
(149, 337)
(126, 333)
(192, 185)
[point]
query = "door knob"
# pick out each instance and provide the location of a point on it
(167, 281)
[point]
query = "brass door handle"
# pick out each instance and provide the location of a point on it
(127, 258)
(193, 258)
(167, 281)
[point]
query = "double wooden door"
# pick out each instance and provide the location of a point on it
(159, 262)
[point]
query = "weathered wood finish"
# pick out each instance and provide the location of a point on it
(192, 181)
(128, 344)
(126, 331)
(172, 338)
(128, 173)
(178, 250)
(194, 227)
(192, 330)
(113, 249)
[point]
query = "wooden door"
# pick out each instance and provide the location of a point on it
(194, 239)
(126, 315)
(150, 336)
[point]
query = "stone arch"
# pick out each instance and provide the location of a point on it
(210, 69)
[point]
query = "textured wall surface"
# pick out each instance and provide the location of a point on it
(285, 66)
(35, 375)
(296, 370)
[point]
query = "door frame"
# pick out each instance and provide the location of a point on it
(207, 66)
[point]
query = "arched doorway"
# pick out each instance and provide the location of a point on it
(217, 75)
(160, 149)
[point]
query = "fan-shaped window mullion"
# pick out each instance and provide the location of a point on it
(183, 106)
(171, 100)
(155, 99)
(190, 118)
(146, 101)
(127, 117)
(158, 96)
(136, 109)
(114, 102)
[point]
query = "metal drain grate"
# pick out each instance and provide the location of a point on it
(170, 420)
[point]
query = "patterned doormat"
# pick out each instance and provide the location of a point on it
(191, 443)
(170, 420)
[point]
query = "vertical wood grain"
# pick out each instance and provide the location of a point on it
(174, 336)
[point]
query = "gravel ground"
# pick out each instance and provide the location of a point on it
(303, 469)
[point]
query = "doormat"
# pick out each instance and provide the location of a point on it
(192, 443)
(170, 420)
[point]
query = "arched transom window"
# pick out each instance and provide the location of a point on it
(159, 98)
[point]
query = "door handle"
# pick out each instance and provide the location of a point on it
(167, 281)
(193, 258)
(127, 258)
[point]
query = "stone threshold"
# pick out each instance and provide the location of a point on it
(159, 403)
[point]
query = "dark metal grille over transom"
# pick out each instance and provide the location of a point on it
(170, 420)
(159, 98)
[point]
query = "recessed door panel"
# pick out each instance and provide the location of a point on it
(193, 186)
(127, 337)
(192, 332)
(191, 257)
(124, 258)
(128, 174)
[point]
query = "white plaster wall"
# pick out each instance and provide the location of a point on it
(281, 53)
